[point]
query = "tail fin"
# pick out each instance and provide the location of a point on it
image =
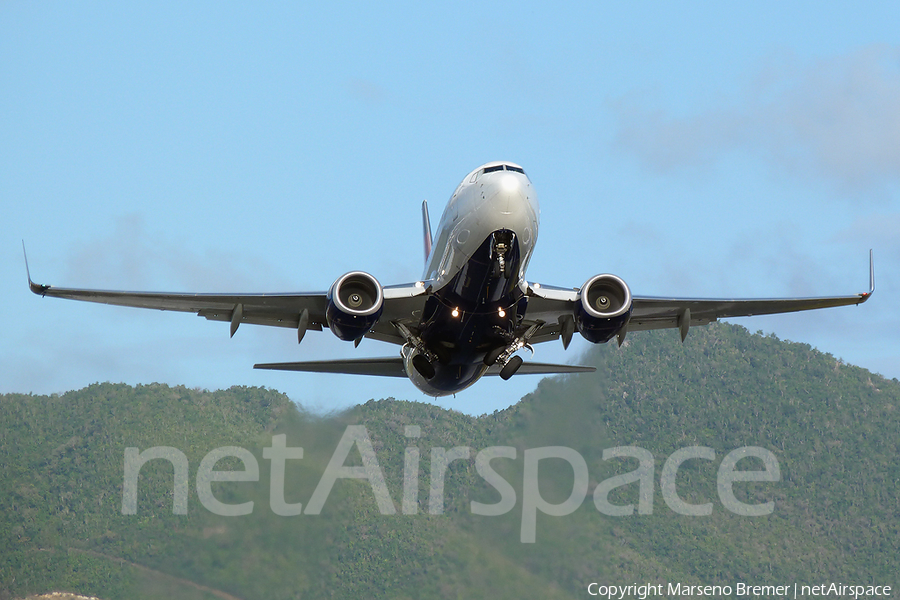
(426, 227)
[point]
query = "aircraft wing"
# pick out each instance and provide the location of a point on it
(278, 310)
(553, 305)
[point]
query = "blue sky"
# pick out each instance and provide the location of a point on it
(711, 149)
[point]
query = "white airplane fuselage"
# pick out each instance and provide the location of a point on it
(476, 270)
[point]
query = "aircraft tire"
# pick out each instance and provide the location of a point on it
(511, 367)
(491, 357)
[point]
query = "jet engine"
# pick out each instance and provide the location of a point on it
(355, 302)
(603, 308)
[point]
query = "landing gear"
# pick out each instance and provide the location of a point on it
(502, 267)
(441, 352)
(424, 360)
(492, 356)
(502, 242)
(423, 366)
(505, 357)
(510, 368)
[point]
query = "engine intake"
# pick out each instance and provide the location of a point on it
(603, 308)
(355, 303)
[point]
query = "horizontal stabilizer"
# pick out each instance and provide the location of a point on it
(393, 367)
(534, 368)
(385, 367)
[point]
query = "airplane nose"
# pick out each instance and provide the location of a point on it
(510, 195)
(510, 183)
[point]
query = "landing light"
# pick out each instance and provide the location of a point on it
(502, 313)
(455, 312)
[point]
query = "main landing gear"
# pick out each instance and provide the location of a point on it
(510, 368)
(423, 366)
(424, 360)
(504, 355)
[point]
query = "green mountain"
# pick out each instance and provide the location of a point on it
(830, 430)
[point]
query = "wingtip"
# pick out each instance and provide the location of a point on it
(25, 254)
(34, 287)
(866, 295)
(871, 272)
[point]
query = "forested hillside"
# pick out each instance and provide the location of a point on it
(832, 428)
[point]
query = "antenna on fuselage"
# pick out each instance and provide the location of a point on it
(426, 227)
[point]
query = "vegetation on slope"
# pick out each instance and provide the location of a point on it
(833, 429)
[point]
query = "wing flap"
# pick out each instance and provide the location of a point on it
(256, 317)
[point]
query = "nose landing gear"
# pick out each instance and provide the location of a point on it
(502, 242)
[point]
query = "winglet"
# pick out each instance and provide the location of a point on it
(35, 287)
(426, 227)
(871, 274)
(866, 295)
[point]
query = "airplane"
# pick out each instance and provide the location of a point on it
(473, 310)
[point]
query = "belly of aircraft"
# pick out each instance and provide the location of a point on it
(474, 312)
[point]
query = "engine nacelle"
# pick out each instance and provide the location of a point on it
(355, 302)
(603, 308)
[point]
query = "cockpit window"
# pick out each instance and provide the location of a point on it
(504, 168)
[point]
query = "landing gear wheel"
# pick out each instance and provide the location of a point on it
(506, 269)
(492, 356)
(510, 368)
(421, 364)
